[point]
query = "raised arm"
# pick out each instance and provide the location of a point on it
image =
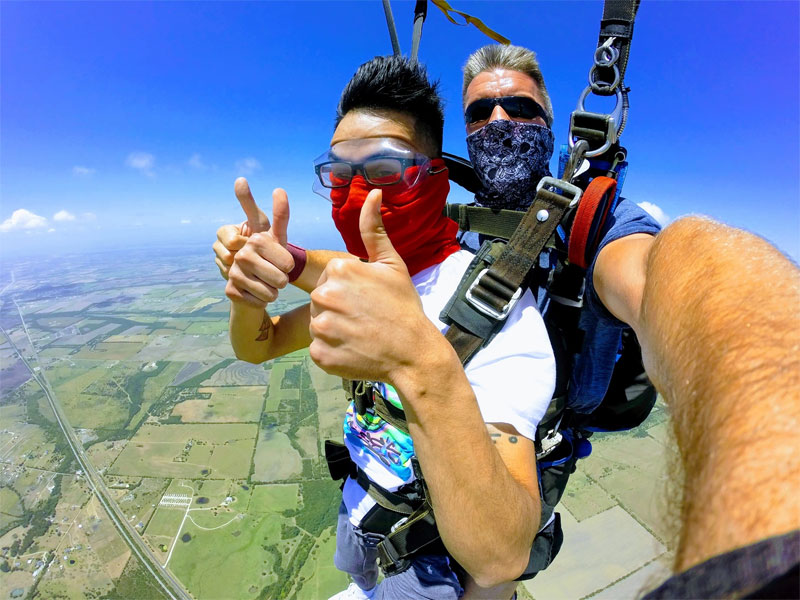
(718, 318)
(259, 270)
(307, 265)
(368, 323)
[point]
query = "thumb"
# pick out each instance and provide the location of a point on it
(373, 234)
(256, 219)
(280, 216)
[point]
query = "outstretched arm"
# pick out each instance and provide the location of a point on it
(719, 324)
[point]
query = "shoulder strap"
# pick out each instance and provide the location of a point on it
(488, 299)
(589, 220)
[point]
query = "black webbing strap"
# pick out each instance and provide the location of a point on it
(417, 534)
(385, 498)
(492, 222)
(618, 19)
(493, 291)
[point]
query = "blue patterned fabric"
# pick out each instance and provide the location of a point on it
(509, 158)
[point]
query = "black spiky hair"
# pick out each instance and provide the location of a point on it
(397, 83)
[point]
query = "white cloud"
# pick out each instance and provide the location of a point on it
(51, 230)
(83, 171)
(656, 212)
(141, 161)
(89, 216)
(23, 219)
(185, 221)
(63, 215)
(196, 162)
(247, 166)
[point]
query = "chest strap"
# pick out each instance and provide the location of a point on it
(477, 312)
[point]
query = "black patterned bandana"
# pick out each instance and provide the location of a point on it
(509, 158)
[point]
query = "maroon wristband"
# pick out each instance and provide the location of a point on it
(299, 256)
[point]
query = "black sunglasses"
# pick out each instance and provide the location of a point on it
(377, 170)
(517, 107)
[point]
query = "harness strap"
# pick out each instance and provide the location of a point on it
(589, 220)
(416, 534)
(386, 499)
(618, 19)
(499, 223)
(495, 290)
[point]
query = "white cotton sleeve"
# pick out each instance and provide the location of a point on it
(514, 376)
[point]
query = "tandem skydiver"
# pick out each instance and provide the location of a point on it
(684, 320)
(458, 442)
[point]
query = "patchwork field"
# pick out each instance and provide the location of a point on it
(241, 404)
(188, 451)
(241, 373)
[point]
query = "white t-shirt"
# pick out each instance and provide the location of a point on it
(513, 380)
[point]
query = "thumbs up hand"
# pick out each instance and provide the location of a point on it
(366, 317)
(261, 263)
(232, 238)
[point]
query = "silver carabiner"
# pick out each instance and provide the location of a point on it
(614, 123)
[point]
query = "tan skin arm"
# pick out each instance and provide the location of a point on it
(716, 312)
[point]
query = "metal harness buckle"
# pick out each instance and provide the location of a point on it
(568, 190)
(481, 306)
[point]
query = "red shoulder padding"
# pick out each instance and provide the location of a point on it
(593, 207)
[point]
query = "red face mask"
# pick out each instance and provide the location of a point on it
(413, 218)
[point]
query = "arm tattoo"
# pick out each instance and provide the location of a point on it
(266, 325)
(512, 439)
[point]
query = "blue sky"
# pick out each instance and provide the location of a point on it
(126, 123)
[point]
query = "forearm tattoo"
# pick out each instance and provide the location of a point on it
(263, 331)
(512, 439)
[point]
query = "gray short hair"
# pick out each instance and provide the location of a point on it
(513, 58)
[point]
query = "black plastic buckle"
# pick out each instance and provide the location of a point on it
(389, 559)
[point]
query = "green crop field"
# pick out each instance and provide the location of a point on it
(232, 460)
(222, 449)
(273, 498)
(207, 327)
(69, 381)
(216, 490)
(165, 521)
(236, 550)
(11, 413)
(96, 412)
(321, 578)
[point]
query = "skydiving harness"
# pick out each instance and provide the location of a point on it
(566, 217)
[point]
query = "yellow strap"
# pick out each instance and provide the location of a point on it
(469, 19)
